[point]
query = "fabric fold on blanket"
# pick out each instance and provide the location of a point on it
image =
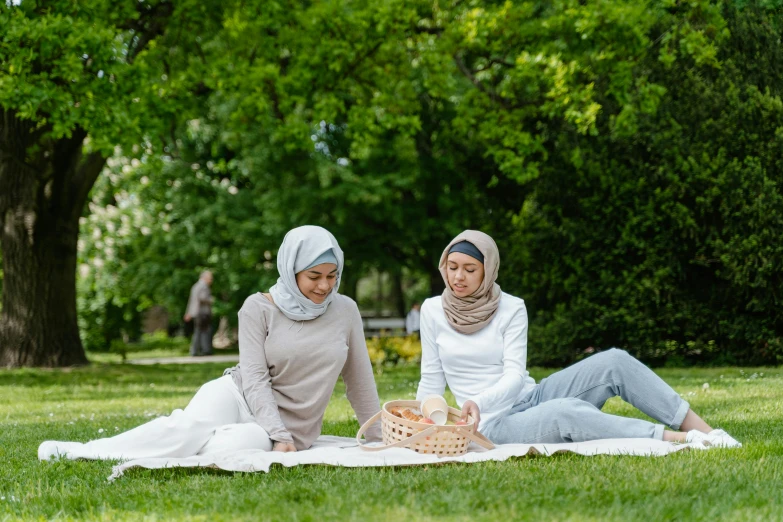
(329, 450)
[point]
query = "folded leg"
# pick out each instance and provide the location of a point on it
(568, 420)
(610, 374)
(181, 434)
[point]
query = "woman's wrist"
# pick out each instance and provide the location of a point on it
(282, 439)
(284, 447)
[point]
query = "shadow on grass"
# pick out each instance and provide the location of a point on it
(276, 470)
(112, 373)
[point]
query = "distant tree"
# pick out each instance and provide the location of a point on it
(78, 79)
(395, 125)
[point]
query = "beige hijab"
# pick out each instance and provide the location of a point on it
(470, 314)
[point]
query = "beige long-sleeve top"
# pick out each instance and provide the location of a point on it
(288, 369)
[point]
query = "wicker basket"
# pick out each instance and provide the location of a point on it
(443, 441)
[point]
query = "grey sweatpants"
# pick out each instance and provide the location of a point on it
(566, 406)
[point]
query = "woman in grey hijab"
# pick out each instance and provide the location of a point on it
(474, 338)
(294, 343)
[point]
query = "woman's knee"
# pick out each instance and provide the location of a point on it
(215, 404)
(215, 387)
(614, 355)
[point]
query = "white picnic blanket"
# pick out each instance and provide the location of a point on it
(343, 451)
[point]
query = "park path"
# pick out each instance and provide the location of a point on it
(188, 360)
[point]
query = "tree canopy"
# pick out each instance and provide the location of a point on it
(624, 155)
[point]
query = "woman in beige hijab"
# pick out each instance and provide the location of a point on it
(474, 338)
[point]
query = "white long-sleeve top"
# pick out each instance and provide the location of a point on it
(487, 367)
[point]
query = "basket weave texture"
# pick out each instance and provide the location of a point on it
(446, 441)
(443, 441)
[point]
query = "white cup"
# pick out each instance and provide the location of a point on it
(436, 408)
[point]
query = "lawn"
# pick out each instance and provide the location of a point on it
(76, 404)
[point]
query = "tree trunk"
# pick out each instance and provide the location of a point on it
(43, 190)
(437, 286)
(349, 282)
(38, 323)
(379, 293)
(397, 295)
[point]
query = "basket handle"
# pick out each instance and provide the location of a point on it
(478, 438)
(398, 444)
(366, 426)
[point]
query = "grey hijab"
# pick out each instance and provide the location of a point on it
(301, 246)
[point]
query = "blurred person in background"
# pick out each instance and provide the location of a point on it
(412, 320)
(199, 310)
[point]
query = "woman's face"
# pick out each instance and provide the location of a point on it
(465, 273)
(316, 282)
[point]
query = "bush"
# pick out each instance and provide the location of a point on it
(150, 341)
(104, 317)
(664, 237)
(388, 351)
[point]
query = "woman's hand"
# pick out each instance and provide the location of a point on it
(470, 408)
(284, 447)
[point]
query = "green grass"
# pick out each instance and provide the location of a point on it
(182, 350)
(74, 404)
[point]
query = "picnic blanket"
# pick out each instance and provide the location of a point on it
(343, 451)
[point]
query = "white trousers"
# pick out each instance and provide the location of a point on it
(216, 419)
